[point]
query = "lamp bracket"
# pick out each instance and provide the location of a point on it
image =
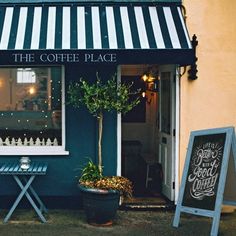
(193, 67)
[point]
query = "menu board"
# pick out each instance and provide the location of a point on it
(204, 171)
(204, 175)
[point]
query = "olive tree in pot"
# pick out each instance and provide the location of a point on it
(101, 194)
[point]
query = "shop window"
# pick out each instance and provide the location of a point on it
(165, 117)
(31, 111)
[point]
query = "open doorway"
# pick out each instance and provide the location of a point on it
(147, 143)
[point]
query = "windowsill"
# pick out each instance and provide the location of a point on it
(32, 151)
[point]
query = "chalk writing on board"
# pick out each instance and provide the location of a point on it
(205, 164)
(204, 171)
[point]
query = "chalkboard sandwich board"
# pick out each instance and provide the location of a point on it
(204, 176)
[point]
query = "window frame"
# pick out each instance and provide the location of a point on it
(42, 150)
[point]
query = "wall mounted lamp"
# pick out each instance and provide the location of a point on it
(150, 79)
(150, 83)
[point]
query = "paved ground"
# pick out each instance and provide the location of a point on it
(130, 223)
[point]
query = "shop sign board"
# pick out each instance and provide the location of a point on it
(64, 57)
(205, 171)
(96, 57)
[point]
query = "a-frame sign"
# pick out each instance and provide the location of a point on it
(204, 176)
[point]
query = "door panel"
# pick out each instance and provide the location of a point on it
(166, 128)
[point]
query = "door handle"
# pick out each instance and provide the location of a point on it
(164, 140)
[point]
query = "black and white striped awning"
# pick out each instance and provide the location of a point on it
(81, 27)
(132, 33)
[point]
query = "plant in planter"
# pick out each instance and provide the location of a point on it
(92, 178)
(100, 97)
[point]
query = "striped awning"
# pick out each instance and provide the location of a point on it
(97, 26)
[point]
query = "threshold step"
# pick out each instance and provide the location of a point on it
(147, 207)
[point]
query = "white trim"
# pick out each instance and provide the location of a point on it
(21, 28)
(171, 168)
(66, 28)
(33, 150)
(63, 109)
(118, 171)
(36, 28)
(177, 132)
(6, 28)
(51, 28)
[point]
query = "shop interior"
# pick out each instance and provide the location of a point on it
(30, 105)
(140, 136)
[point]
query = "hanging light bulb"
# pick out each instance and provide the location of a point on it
(145, 77)
(32, 90)
(150, 78)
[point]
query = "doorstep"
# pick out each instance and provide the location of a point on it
(147, 204)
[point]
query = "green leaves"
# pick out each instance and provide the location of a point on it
(98, 97)
(90, 172)
(102, 96)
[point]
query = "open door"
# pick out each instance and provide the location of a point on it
(166, 134)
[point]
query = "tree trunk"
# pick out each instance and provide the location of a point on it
(100, 129)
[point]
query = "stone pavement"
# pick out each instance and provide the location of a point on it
(127, 223)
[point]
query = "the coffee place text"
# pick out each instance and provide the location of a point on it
(64, 57)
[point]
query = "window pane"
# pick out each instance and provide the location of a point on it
(165, 102)
(30, 106)
(25, 75)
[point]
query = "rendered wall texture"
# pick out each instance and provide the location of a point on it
(210, 101)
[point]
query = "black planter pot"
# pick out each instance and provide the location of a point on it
(100, 206)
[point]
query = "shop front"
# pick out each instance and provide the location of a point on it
(45, 46)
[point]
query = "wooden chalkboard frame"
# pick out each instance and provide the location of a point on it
(229, 145)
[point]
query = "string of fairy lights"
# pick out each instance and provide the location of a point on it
(38, 118)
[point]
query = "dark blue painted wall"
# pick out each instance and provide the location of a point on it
(81, 142)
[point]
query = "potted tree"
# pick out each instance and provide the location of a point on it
(101, 194)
